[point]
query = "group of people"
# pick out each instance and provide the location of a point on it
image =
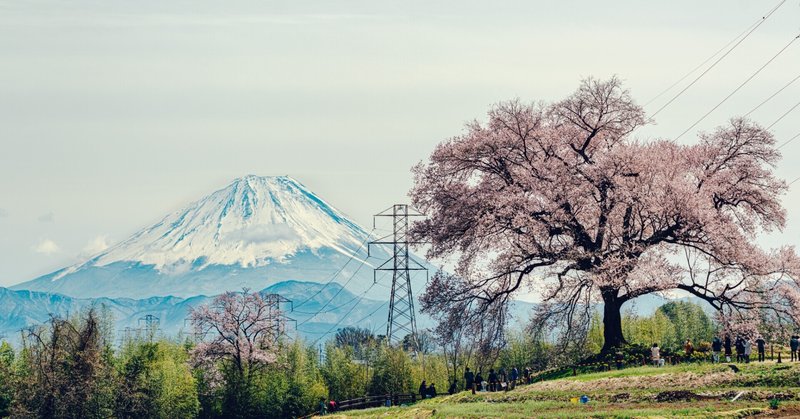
(427, 391)
(742, 345)
(496, 380)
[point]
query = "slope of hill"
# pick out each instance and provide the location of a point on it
(690, 390)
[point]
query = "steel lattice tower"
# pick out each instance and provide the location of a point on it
(402, 319)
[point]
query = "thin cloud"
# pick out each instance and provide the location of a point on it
(96, 245)
(46, 247)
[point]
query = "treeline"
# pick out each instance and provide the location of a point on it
(669, 326)
(71, 368)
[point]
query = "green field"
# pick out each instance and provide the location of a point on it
(701, 390)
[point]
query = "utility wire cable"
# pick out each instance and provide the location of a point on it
(750, 32)
(369, 236)
(773, 95)
(332, 309)
(337, 294)
(341, 319)
(739, 87)
(788, 141)
(692, 71)
(784, 115)
(360, 320)
(790, 183)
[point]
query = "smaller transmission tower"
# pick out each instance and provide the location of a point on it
(151, 325)
(402, 319)
(277, 317)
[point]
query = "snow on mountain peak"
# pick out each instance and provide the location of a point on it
(254, 221)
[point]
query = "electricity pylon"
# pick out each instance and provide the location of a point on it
(401, 302)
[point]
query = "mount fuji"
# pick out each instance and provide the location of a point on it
(254, 233)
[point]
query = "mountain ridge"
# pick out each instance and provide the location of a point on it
(255, 232)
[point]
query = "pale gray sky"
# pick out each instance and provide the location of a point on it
(113, 113)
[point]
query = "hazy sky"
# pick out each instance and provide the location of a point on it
(113, 113)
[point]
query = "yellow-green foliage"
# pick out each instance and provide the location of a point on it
(392, 372)
(649, 330)
(345, 378)
(433, 370)
(178, 388)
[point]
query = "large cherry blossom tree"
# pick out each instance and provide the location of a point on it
(564, 200)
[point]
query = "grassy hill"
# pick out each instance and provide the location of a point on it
(696, 390)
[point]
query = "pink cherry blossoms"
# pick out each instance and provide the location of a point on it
(561, 198)
(240, 333)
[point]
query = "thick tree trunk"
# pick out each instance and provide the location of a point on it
(612, 321)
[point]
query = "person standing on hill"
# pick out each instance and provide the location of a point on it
(514, 376)
(423, 389)
(469, 380)
(739, 349)
(688, 349)
(748, 349)
(793, 345)
(727, 346)
(760, 344)
(492, 380)
(716, 348)
(655, 355)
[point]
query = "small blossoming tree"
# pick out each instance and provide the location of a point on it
(240, 333)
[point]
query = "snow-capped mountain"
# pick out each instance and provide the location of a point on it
(256, 232)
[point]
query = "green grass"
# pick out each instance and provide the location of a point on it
(632, 392)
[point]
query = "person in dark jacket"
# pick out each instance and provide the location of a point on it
(469, 379)
(761, 346)
(492, 380)
(432, 390)
(423, 389)
(716, 348)
(453, 387)
(479, 381)
(739, 344)
(794, 343)
(727, 347)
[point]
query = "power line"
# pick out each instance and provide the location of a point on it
(355, 297)
(337, 294)
(790, 183)
(700, 65)
(341, 319)
(359, 320)
(363, 243)
(773, 95)
(784, 115)
(788, 141)
(753, 29)
(739, 87)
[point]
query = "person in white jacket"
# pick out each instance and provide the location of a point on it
(748, 349)
(655, 355)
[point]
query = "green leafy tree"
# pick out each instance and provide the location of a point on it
(7, 382)
(345, 378)
(392, 372)
(689, 321)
